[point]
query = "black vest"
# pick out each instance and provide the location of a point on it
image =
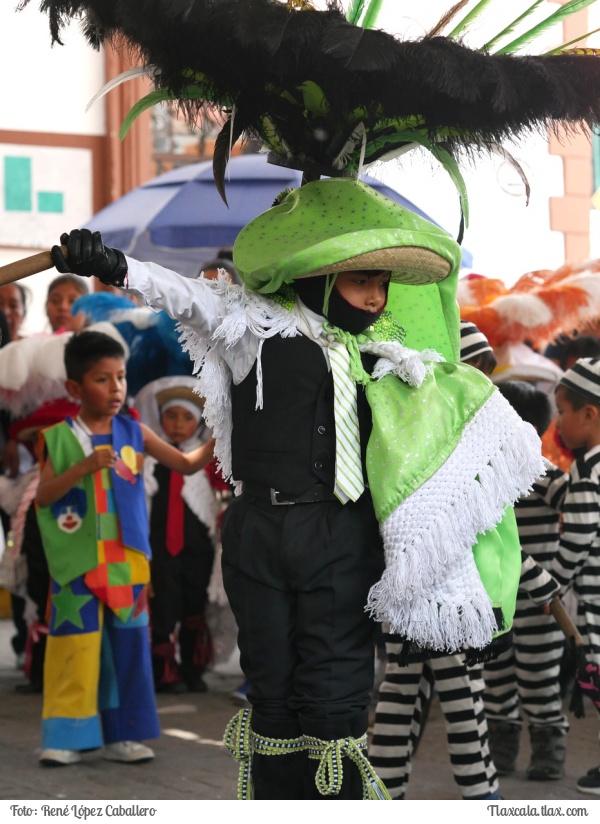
(289, 444)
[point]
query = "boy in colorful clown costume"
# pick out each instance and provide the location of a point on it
(331, 427)
(92, 516)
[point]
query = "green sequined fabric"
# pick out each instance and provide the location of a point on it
(415, 429)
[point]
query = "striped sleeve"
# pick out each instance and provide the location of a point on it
(580, 518)
(552, 487)
(537, 582)
(538, 516)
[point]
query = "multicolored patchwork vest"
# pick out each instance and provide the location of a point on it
(69, 526)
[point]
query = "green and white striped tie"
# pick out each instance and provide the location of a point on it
(349, 482)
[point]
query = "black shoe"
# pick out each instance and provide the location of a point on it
(197, 684)
(172, 688)
(590, 783)
(504, 739)
(548, 751)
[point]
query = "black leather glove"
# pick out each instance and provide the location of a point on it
(87, 255)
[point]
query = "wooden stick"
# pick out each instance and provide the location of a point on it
(26, 267)
(564, 621)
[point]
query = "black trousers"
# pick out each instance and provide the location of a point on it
(179, 586)
(297, 578)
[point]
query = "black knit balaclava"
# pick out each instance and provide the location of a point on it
(311, 292)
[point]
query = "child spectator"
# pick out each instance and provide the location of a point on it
(577, 563)
(211, 269)
(13, 303)
(183, 522)
(63, 291)
(475, 348)
(527, 675)
(92, 516)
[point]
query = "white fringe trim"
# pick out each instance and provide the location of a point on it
(430, 590)
(243, 312)
(410, 365)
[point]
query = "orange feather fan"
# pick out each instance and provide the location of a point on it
(540, 306)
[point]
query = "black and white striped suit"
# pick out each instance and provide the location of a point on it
(460, 689)
(525, 678)
(578, 558)
(398, 719)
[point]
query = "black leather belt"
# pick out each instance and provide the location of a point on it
(316, 494)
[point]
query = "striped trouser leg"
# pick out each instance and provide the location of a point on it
(538, 648)
(501, 696)
(588, 623)
(460, 691)
(398, 722)
(402, 694)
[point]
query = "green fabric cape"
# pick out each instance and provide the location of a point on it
(430, 317)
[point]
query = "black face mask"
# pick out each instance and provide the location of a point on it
(340, 313)
(348, 317)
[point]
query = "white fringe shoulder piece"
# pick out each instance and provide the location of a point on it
(243, 312)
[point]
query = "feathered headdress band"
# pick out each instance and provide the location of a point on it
(325, 93)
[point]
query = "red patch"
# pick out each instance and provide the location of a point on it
(123, 471)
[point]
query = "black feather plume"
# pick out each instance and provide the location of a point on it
(302, 81)
(226, 138)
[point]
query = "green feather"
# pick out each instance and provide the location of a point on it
(468, 18)
(271, 138)
(371, 14)
(451, 167)
(314, 98)
(160, 96)
(354, 12)
(406, 127)
(420, 137)
(565, 46)
(146, 102)
(511, 26)
(558, 16)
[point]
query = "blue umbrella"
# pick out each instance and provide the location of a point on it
(179, 220)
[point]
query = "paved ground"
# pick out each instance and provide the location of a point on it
(192, 764)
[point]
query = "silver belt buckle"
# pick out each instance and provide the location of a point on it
(275, 502)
